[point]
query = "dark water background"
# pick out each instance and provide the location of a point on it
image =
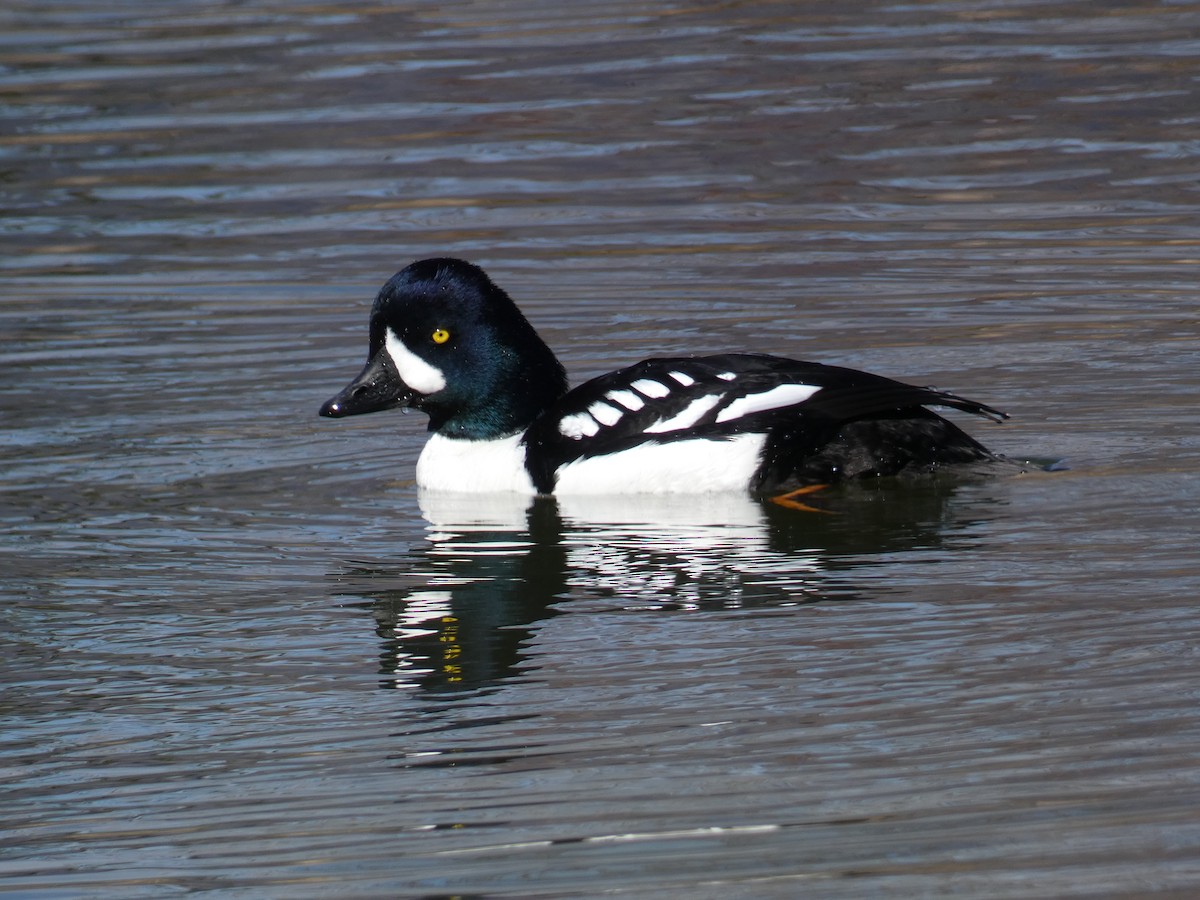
(242, 658)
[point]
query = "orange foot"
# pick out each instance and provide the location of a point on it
(789, 499)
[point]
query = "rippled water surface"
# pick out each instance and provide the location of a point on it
(243, 658)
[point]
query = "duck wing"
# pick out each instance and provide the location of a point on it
(717, 397)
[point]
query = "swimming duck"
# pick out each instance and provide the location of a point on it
(446, 340)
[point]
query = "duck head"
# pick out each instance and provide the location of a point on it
(446, 340)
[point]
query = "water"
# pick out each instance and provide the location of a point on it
(243, 658)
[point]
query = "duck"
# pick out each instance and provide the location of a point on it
(444, 339)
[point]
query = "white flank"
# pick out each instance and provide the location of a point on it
(414, 371)
(627, 399)
(783, 395)
(605, 414)
(683, 378)
(650, 388)
(727, 376)
(452, 464)
(576, 425)
(677, 467)
(688, 417)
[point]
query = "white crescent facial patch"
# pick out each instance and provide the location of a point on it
(419, 375)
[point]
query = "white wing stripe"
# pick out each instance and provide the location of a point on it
(781, 395)
(683, 378)
(690, 415)
(576, 425)
(627, 399)
(605, 414)
(650, 388)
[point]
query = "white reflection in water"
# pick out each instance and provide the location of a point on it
(641, 549)
(457, 612)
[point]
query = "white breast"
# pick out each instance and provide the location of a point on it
(453, 464)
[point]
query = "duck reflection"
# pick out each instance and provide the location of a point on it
(457, 614)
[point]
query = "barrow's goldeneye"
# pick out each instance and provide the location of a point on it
(446, 340)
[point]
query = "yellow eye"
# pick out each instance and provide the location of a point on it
(440, 335)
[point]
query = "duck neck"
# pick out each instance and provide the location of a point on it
(522, 388)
